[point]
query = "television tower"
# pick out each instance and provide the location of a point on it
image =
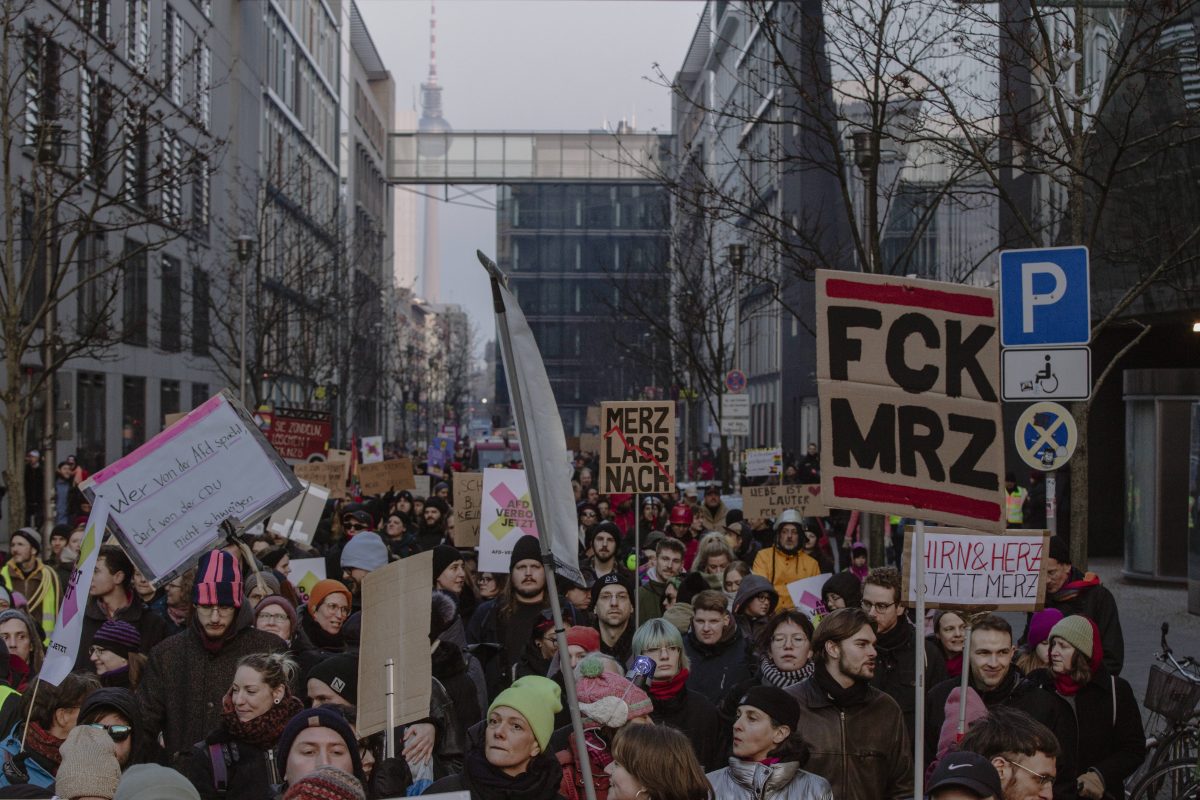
(432, 121)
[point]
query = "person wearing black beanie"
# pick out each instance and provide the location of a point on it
(431, 529)
(333, 681)
(321, 729)
(602, 544)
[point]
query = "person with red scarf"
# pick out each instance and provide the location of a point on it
(52, 715)
(236, 760)
(691, 713)
(1109, 742)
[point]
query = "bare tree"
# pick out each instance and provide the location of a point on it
(97, 153)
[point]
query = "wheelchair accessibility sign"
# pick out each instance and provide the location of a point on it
(1046, 436)
(1057, 373)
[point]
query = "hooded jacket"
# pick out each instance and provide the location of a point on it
(750, 780)
(183, 683)
(751, 586)
(782, 568)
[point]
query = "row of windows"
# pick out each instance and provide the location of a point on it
(583, 206)
(297, 171)
(91, 418)
(603, 254)
(317, 31)
(296, 83)
(365, 115)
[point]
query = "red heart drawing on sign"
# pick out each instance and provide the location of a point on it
(814, 489)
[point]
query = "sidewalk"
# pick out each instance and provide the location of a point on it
(1143, 610)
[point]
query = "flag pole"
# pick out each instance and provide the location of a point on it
(531, 468)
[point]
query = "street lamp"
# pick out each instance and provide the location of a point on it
(737, 257)
(245, 248)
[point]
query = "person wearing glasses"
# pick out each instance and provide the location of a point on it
(1107, 740)
(322, 618)
(785, 562)
(115, 712)
(674, 705)
(896, 643)
(1022, 750)
(588, 516)
(236, 760)
(115, 657)
(111, 597)
(856, 732)
(52, 714)
(187, 674)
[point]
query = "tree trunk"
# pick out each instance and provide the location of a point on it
(14, 436)
(1079, 488)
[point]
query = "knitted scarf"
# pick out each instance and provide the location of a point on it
(1077, 583)
(540, 782)
(264, 730)
(774, 676)
(665, 690)
(43, 744)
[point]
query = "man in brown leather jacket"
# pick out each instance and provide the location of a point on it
(856, 733)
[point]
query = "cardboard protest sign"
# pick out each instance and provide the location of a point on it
(421, 485)
(769, 500)
(438, 456)
(637, 452)
(171, 419)
(331, 475)
(299, 434)
(764, 462)
(505, 515)
(298, 518)
(806, 593)
(384, 476)
(979, 571)
(589, 443)
(168, 498)
(592, 417)
(395, 625)
(305, 573)
(907, 372)
(468, 497)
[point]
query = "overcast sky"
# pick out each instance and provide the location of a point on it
(546, 65)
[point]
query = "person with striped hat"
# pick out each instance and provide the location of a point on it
(114, 654)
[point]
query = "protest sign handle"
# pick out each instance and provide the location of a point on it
(29, 714)
(918, 551)
(962, 686)
(389, 735)
(637, 560)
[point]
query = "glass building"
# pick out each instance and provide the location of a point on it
(588, 263)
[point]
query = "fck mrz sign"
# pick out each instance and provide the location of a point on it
(907, 373)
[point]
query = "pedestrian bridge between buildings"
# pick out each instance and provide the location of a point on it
(512, 157)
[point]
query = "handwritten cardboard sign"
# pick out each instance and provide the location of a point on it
(395, 619)
(764, 462)
(979, 571)
(505, 515)
(330, 474)
(468, 497)
(300, 434)
(770, 500)
(384, 476)
(298, 518)
(168, 498)
(637, 452)
(907, 372)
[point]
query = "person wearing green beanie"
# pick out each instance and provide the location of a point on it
(513, 759)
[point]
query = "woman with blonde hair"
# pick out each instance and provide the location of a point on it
(713, 557)
(655, 763)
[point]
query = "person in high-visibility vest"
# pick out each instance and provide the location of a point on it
(25, 573)
(1014, 501)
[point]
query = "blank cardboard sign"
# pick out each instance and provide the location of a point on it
(395, 625)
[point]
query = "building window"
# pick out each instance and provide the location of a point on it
(200, 189)
(168, 398)
(199, 394)
(133, 413)
(172, 55)
(201, 332)
(94, 16)
(203, 84)
(172, 305)
(90, 419)
(172, 177)
(95, 114)
(137, 158)
(42, 67)
(33, 259)
(91, 298)
(137, 32)
(136, 294)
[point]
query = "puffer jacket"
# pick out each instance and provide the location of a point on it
(863, 751)
(750, 780)
(780, 569)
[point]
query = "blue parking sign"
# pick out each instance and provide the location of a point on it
(1045, 297)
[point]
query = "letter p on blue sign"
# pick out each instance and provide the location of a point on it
(1045, 297)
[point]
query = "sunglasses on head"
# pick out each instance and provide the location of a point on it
(118, 733)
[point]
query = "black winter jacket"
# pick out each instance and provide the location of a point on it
(717, 668)
(896, 670)
(250, 772)
(698, 718)
(150, 627)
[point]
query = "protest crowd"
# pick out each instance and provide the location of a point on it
(236, 679)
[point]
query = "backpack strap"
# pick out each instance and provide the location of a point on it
(220, 773)
(1113, 678)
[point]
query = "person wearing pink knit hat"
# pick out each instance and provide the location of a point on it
(607, 702)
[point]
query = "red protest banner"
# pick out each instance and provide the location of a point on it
(298, 434)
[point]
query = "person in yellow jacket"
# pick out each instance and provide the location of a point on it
(1015, 498)
(25, 573)
(785, 562)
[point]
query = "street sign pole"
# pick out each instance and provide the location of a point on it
(1052, 502)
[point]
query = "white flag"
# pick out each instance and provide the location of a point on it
(541, 431)
(64, 643)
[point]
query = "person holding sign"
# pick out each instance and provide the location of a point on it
(187, 674)
(785, 562)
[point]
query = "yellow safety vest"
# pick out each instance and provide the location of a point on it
(47, 594)
(1014, 505)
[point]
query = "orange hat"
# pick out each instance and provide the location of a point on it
(323, 589)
